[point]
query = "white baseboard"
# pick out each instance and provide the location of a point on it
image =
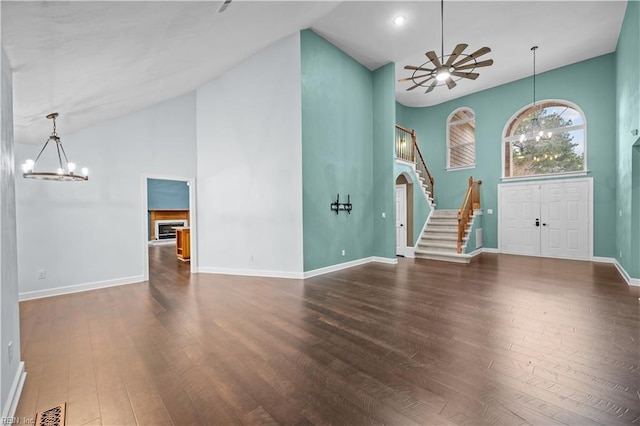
(250, 272)
(11, 404)
(598, 259)
(476, 252)
(387, 260)
(37, 294)
(351, 264)
(625, 274)
(490, 250)
(296, 275)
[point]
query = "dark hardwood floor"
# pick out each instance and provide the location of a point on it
(504, 340)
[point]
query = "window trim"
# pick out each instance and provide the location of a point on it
(449, 123)
(506, 139)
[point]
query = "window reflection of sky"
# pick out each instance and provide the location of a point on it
(566, 114)
(578, 138)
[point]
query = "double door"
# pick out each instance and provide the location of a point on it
(550, 219)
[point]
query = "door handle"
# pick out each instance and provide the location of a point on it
(402, 224)
(544, 224)
(537, 222)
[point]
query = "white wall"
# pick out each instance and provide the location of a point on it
(11, 378)
(250, 166)
(89, 234)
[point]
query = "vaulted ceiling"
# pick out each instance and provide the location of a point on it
(92, 61)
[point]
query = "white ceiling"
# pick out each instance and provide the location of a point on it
(92, 61)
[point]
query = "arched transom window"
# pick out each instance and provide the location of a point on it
(546, 139)
(461, 139)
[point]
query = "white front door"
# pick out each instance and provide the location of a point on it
(401, 219)
(565, 220)
(520, 210)
(546, 219)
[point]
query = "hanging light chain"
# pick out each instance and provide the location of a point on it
(442, 30)
(534, 48)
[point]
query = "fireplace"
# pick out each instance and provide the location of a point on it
(165, 228)
(174, 217)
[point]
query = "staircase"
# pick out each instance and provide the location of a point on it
(445, 236)
(439, 240)
(428, 189)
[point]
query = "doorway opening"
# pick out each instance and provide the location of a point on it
(169, 231)
(404, 215)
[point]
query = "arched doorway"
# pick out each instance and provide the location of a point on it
(404, 214)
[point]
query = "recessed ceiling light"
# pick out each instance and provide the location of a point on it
(399, 20)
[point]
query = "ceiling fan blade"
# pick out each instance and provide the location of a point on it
(456, 52)
(486, 63)
(433, 86)
(474, 55)
(420, 83)
(469, 75)
(412, 67)
(433, 58)
(450, 83)
(402, 80)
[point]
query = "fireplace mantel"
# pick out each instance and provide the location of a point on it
(165, 215)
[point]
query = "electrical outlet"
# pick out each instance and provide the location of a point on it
(384, 215)
(42, 274)
(620, 213)
(344, 252)
(620, 254)
(10, 350)
(489, 211)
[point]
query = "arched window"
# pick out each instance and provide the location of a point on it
(461, 139)
(549, 138)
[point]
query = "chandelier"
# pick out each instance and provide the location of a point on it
(62, 172)
(535, 132)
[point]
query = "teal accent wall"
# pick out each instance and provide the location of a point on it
(581, 83)
(384, 120)
(421, 208)
(166, 194)
(337, 153)
(627, 98)
(400, 114)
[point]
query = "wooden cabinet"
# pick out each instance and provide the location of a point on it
(183, 243)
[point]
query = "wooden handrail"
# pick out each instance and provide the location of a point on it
(408, 152)
(470, 203)
(422, 166)
(404, 150)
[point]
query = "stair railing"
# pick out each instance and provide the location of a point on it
(470, 203)
(409, 151)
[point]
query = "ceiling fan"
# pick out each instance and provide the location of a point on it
(443, 69)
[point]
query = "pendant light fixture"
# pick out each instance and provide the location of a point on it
(535, 132)
(446, 69)
(66, 170)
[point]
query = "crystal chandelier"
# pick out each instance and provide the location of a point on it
(535, 132)
(62, 173)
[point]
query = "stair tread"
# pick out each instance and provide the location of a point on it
(445, 257)
(426, 251)
(442, 244)
(444, 237)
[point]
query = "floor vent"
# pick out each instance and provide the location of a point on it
(54, 416)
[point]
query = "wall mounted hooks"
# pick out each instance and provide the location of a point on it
(337, 206)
